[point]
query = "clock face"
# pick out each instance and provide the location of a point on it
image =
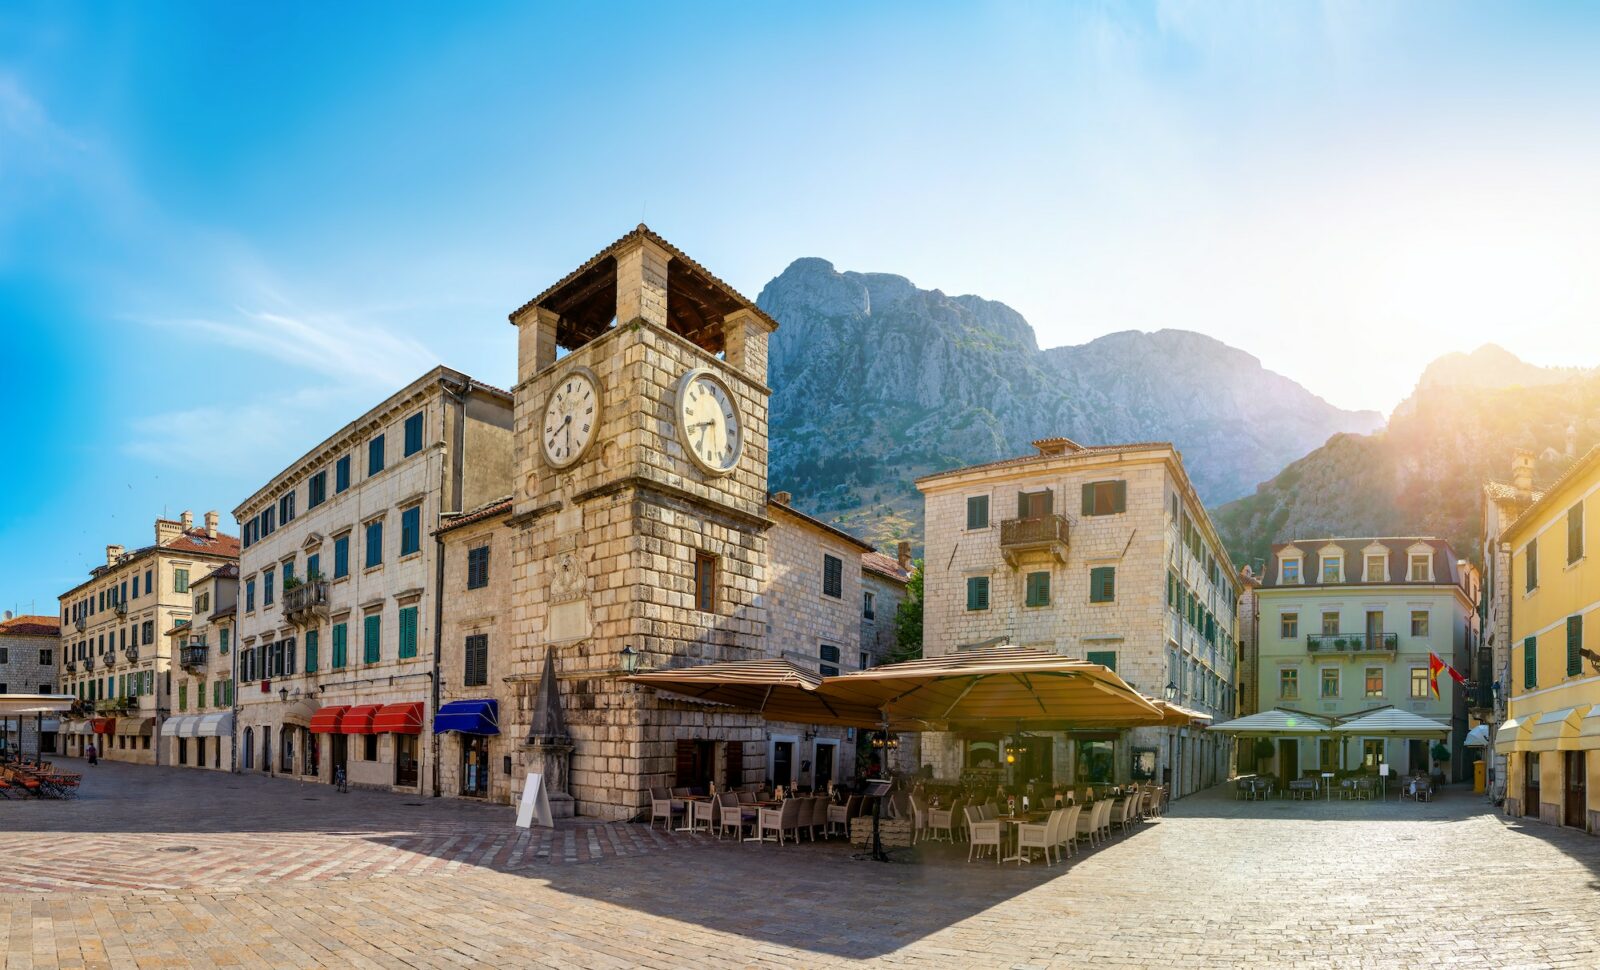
(708, 422)
(571, 417)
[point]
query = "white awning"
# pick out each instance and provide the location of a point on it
(219, 725)
(1392, 722)
(174, 727)
(1556, 730)
(14, 704)
(1589, 730)
(1511, 735)
(1478, 737)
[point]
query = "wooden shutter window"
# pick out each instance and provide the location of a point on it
(832, 576)
(476, 672)
(1533, 565)
(1103, 584)
(1575, 533)
(705, 582)
(1574, 646)
(733, 765)
(683, 768)
(1038, 591)
(1530, 663)
(977, 593)
(1105, 658)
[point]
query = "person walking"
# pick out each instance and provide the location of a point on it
(93, 753)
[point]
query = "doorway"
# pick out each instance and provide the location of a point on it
(266, 749)
(249, 749)
(340, 754)
(783, 762)
(405, 760)
(1417, 756)
(1576, 801)
(1530, 784)
(826, 758)
(1035, 761)
(1288, 761)
(475, 765)
(1373, 753)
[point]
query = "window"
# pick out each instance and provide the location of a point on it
(1105, 658)
(1105, 498)
(1419, 683)
(249, 595)
(341, 556)
(46, 658)
(832, 576)
(1035, 505)
(374, 543)
(476, 671)
(1574, 646)
(375, 455)
(1532, 557)
(149, 632)
(1332, 567)
(267, 521)
(266, 587)
(1376, 568)
(866, 661)
(286, 509)
(410, 530)
(183, 695)
(222, 640)
(180, 580)
(288, 573)
(977, 511)
(371, 628)
(830, 660)
(478, 567)
(1374, 681)
(413, 434)
(311, 651)
(317, 489)
(313, 567)
(977, 593)
(1103, 584)
(866, 605)
(1530, 663)
(1327, 754)
(1038, 589)
(1419, 623)
(1330, 624)
(1575, 533)
(1291, 571)
(341, 474)
(340, 646)
(1330, 682)
(1288, 684)
(1421, 567)
(1289, 626)
(408, 632)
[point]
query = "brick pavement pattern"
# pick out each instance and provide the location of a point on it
(271, 873)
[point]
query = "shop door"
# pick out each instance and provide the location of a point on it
(783, 763)
(475, 765)
(341, 754)
(1530, 784)
(405, 760)
(1577, 801)
(824, 770)
(1288, 761)
(1035, 763)
(1417, 756)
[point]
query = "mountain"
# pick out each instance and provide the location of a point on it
(1422, 474)
(877, 382)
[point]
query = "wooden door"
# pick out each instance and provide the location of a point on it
(1530, 784)
(1576, 789)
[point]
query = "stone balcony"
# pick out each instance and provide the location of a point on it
(1352, 643)
(307, 602)
(1046, 532)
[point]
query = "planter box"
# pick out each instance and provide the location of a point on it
(896, 833)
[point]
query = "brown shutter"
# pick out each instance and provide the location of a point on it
(1022, 505)
(683, 773)
(733, 776)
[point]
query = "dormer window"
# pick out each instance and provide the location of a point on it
(1377, 568)
(1421, 570)
(1332, 569)
(1291, 572)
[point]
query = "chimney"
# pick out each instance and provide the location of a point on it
(166, 531)
(211, 523)
(781, 498)
(1049, 447)
(113, 553)
(1522, 472)
(187, 518)
(904, 553)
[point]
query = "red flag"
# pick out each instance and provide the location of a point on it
(1434, 666)
(1456, 675)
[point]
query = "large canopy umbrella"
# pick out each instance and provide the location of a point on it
(1015, 687)
(776, 689)
(1176, 715)
(1392, 722)
(1275, 723)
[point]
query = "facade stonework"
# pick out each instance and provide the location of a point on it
(30, 654)
(202, 653)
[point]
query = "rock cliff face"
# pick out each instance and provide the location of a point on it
(877, 382)
(1423, 473)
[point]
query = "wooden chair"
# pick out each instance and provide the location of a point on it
(985, 834)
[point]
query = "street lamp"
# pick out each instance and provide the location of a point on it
(630, 660)
(1171, 690)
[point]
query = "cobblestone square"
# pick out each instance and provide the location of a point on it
(161, 867)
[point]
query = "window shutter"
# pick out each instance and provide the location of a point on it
(733, 765)
(1574, 646)
(1120, 502)
(1049, 501)
(1530, 663)
(1022, 505)
(1105, 658)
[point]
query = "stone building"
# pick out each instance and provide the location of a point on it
(1502, 504)
(1249, 642)
(1134, 577)
(199, 731)
(337, 613)
(30, 649)
(883, 589)
(114, 656)
(1346, 628)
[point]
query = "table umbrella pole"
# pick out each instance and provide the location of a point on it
(878, 854)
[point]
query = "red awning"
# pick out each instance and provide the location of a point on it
(398, 719)
(326, 720)
(105, 725)
(358, 719)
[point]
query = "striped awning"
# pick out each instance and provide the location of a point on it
(358, 719)
(1511, 735)
(1273, 723)
(398, 719)
(1556, 730)
(175, 726)
(217, 725)
(326, 719)
(136, 726)
(1392, 722)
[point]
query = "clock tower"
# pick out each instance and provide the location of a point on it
(639, 514)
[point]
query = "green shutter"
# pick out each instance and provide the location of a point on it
(372, 628)
(311, 651)
(977, 592)
(1038, 589)
(1103, 584)
(1105, 658)
(183, 697)
(1530, 663)
(341, 655)
(1120, 502)
(408, 632)
(1574, 646)
(1088, 499)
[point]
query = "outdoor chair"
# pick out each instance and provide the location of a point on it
(785, 818)
(1102, 820)
(944, 820)
(1088, 824)
(1067, 831)
(731, 815)
(814, 813)
(1130, 812)
(985, 834)
(662, 806)
(702, 811)
(746, 797)
(840, 816)
(988, 812)
(919, 819)
(1040, 836)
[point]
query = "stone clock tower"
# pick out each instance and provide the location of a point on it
(639, 516)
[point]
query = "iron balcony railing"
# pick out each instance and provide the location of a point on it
(305, 601)
(121, 607)
(72, 666)
(193, 655)
(81, 623)
(1352, 642)
(1043, 532)
(88, 663)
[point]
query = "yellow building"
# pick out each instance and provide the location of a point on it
(1554, 721)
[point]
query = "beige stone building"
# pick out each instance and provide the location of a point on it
(30, 656)
(337, 614)
(1100, 553)
(883, 589)
(1502, 503)
(115, 657)
(199, 731)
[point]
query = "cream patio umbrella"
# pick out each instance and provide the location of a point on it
(776, 689)
(21, 705)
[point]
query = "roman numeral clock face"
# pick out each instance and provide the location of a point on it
(571, 418)
(708, 422)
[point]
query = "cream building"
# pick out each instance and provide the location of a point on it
(30, 657)
(199, 731)
(1105, 554)
(337, 614)
(115, 658)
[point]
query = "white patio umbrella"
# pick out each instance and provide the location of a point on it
(1275, 723)
(1391, 722)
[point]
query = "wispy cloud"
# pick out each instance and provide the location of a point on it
(249, 437)
(320, 343)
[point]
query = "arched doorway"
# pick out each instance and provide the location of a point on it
(249, 749)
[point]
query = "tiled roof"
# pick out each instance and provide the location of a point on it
(1578, 467)
(819, 524)
(1039, 458)
(31, 625)
(887, 566)
(489, 511)
(197, 541)
(228, 570)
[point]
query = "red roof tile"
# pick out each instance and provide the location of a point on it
(31, 626)
(499, 507)
(887, 566)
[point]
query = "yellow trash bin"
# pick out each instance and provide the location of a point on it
(1477, 776)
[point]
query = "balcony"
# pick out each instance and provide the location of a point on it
(193, 655)
(1046, 532)
(131, 651)
(81, 624)
(115, 705)
(1352, 643)
(88, 663)
(306, 602)
(121, 607)
(72, 666)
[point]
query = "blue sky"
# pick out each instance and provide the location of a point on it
(226, 230)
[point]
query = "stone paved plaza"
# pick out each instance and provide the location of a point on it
(161, 867)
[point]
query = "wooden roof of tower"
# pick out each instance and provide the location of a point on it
(586, 298)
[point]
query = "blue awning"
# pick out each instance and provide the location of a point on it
(468, 717)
